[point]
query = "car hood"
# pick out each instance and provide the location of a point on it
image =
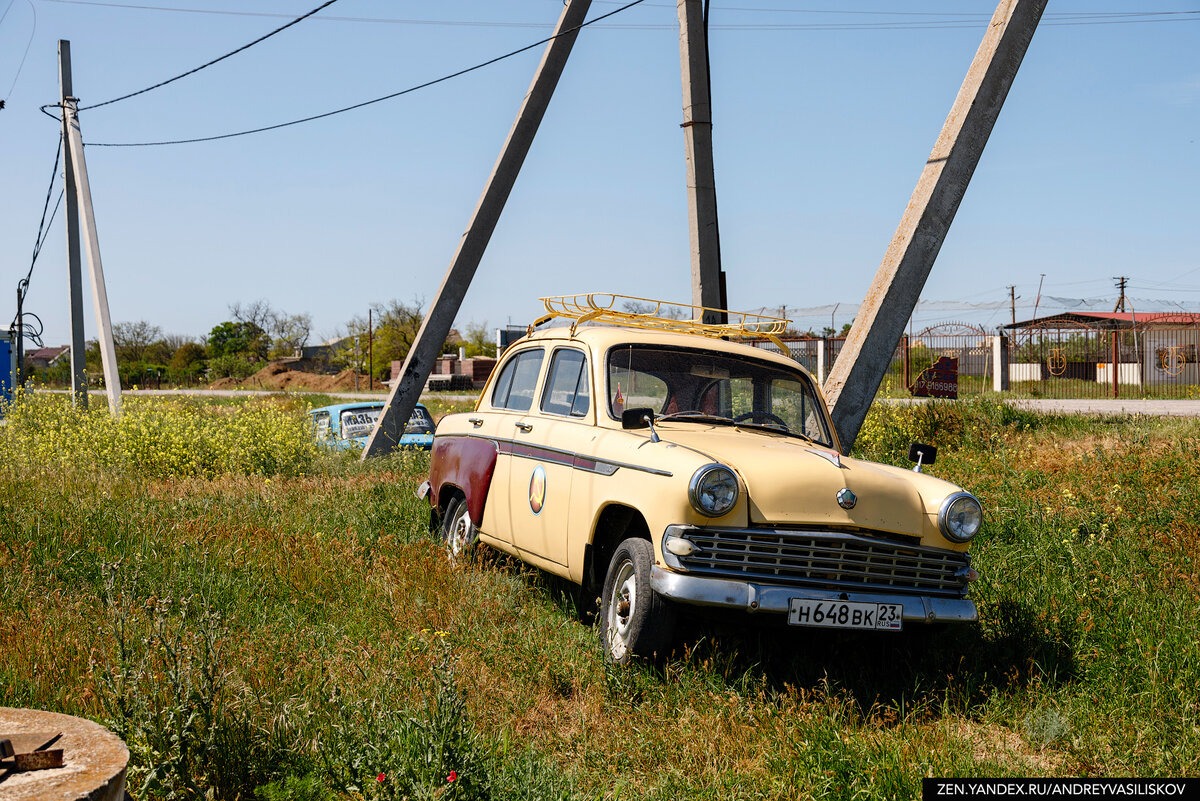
(794, 482)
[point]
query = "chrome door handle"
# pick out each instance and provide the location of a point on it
(475, 421)
(525, 426)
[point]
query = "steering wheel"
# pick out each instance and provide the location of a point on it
(770, 418)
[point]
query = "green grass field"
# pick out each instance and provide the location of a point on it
(275, 622)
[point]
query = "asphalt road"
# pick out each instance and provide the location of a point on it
(1096, 406)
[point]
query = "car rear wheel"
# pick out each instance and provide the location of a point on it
(634, 620)
(458, 532)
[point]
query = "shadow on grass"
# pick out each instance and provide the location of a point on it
(922, 667)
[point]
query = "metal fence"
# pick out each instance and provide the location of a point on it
(1065, 360)
(1060, 359)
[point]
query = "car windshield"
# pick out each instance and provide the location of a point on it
(708, 384)
(358, 422)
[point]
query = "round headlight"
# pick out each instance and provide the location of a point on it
(960, 517)
(713, 490)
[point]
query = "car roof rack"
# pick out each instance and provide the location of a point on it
(659, 315)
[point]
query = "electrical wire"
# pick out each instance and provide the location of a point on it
(947, 20)
(43, 232)
(21, 66)
(44, 226)
(263, 38)
(365, 103)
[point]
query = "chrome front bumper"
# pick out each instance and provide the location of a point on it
(751, 597)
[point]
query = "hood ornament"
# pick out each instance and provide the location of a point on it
(846, 498)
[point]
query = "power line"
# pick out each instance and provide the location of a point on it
(263, 38)
(365, 103)
(43, 230)
(21, 66)
(945, 20)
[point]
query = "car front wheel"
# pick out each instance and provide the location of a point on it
(634, 620)
(458, 532)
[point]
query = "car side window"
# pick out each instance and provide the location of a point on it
(514, 387)
(566, 391)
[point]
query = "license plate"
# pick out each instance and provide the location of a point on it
(846, 615)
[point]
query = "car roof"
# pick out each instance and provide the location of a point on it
(603, 337)
(338, 408)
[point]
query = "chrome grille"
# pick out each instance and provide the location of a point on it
(826, 559)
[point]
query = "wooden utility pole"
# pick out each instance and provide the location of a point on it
(436, 325)
(1121, 282)
(893, 294)
(1012, 302)
(74, 260)
(705, 238)
(108, 353)
(370, 352)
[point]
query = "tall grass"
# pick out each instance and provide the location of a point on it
(287, 633)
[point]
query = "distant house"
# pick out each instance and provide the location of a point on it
(45, 357)
(325, 352)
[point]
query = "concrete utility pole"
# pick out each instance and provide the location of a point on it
(74, 261)
(108, 353)
(893, 295)
(435, 327)
(705, 239)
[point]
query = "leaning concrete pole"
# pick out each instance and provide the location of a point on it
(108, 353)
(893, 295)
(701, 181)
(74, 259)
(435, 327)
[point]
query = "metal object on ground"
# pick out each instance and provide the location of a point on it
(54, 757)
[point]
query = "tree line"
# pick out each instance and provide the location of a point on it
(256, 334)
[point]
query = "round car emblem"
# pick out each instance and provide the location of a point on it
(846, 499)
(537, 489)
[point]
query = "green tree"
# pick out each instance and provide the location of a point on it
(238, 339)
(133, 341)
(395, 329)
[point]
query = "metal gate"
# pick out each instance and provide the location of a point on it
(1070, 359)
(969, 346)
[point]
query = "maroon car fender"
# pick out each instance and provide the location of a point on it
(466, 463)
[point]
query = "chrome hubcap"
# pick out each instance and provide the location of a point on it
(460, 531)
(621, 604)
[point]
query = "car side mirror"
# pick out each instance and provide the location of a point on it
(922, 454)
(636, 418)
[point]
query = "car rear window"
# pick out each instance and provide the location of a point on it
(517, 381)
(359, 422)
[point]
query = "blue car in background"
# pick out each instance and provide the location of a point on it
(344, 426)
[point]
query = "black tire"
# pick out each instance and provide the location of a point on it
(459, 534)
(635, 621)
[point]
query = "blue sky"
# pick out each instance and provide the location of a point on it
(824, 114)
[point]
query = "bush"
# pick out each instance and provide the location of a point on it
(158, 437)
(232, 365)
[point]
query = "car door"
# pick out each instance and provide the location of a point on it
(511, 398)
(545, 445)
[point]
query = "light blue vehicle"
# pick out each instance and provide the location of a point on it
(346, 426)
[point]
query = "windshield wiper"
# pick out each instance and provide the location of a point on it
(692, 416)
(776, 428)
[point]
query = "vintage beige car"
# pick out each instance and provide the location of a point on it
(656, 464)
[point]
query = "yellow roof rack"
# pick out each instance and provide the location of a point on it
(659, 315)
